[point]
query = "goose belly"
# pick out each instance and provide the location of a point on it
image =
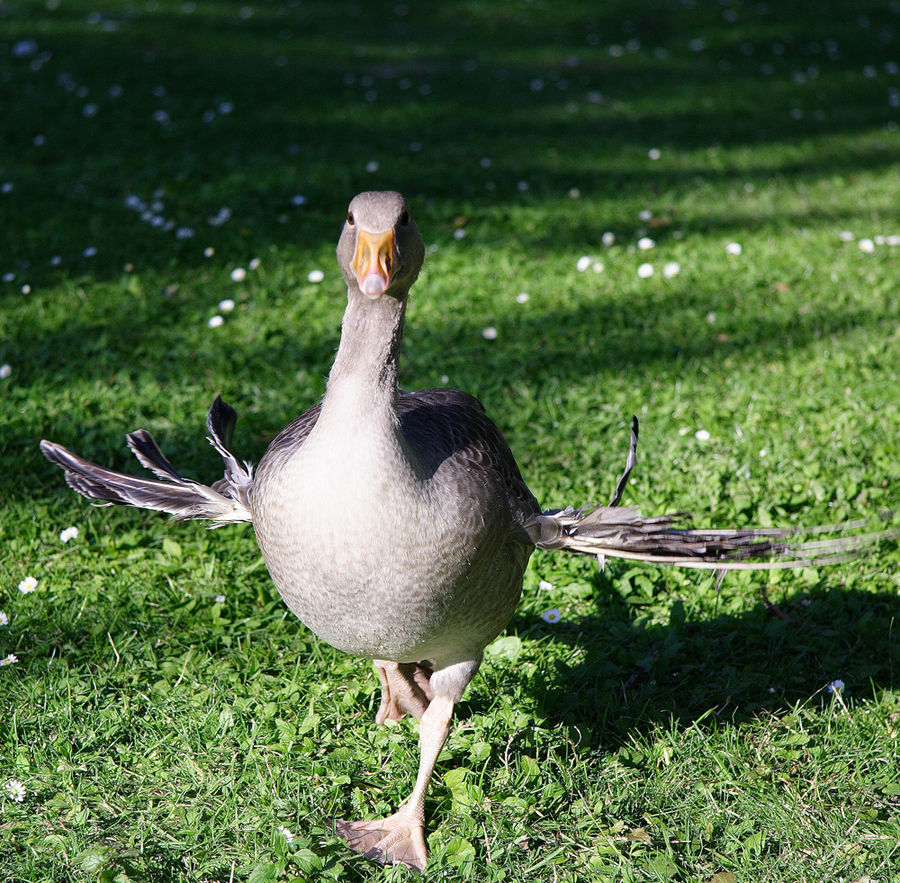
(377, 565)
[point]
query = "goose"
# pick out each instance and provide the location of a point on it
(397, 525)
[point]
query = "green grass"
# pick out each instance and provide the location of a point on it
(167, 714)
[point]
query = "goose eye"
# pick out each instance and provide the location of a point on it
(350, 219)
(404, 219)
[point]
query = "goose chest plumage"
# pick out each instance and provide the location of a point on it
(396, 525)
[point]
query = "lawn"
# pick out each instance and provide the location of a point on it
(686, 211)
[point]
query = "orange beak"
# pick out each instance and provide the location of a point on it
(373, 262)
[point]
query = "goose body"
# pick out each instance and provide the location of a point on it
(398, 573)
(397, 526)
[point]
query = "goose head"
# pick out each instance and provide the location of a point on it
(380, 250)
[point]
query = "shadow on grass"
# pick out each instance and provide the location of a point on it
(208, 108)
(634, 677)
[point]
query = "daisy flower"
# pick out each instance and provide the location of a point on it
(672, 268)
(28, 585)
(69, 533)
(16, 790)
(552, 616)
(288, 835)
(9, 660)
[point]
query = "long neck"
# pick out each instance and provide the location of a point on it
(364, 374)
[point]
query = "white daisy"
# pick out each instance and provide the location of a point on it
(10, 660)
(68, 533)
(28, 585)
(552, 616)
(315, 276)
(672, 268)
(645, 271)
(288, 835)
(16, 790)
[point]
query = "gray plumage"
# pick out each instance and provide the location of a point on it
(397, 525)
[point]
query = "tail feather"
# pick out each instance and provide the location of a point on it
(225, 502)
(614, 532)
(144, 447)
(238, 478)
(607, 532)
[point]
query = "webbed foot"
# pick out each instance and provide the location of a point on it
(404, 689)
(398, 839)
